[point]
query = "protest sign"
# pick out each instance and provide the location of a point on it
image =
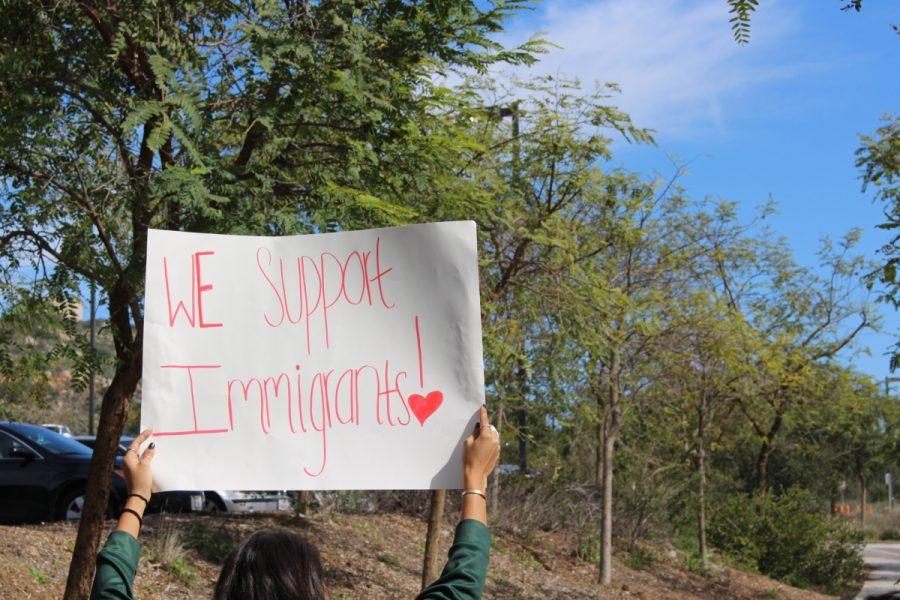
(347, 360)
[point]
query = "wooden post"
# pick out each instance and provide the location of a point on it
(435, 518)
(301, 505)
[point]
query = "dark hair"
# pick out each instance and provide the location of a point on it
(271, 564)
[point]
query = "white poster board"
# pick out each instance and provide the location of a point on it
(329, 361)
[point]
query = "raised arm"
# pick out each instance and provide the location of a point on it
(467, 562)
(117, 562)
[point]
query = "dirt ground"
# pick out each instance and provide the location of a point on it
(364, 556)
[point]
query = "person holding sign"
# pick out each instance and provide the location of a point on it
(280, 564)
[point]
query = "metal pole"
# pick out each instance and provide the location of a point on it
(93, 313)
(889, 483)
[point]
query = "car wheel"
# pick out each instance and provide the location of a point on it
(212, 503)
(71, 505)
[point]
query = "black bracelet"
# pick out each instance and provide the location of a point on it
(146, 502)
(136, 516)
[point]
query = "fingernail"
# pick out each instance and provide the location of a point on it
(151, 446)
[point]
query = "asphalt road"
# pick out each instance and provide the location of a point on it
(884, 562)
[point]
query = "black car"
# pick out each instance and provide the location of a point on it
(91, 440)
(161, 501)
(43, 475)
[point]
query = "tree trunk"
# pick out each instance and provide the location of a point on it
(609, 447)
(863, 499)
(607, 510)
(113, 412)
(523, 440)
(762, 464)
(601, 443)
(765, 449)
(701, 491)
(301, 506)
(435, 518)
(495, 477)
(522, 419)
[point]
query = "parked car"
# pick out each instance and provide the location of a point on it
(43, 475)
(60, 429)
(509, 469)
(91, 440)
(238, 501)
(181, 501)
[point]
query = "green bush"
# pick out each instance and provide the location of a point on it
(642, 557)
(588, 548)
(788, 537)
(734, 529)
(213, 545)
(890, 534)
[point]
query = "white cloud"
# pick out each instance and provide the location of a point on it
(676, 61)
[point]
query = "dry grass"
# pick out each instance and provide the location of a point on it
(369, 556)
(883, 524)
(166, 548)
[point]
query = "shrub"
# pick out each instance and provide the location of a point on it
(213, 545)
(734, 529)
(641, 557)
(588, 546)
(389, 560)
(166, 549)
(38, 575)
(787, 537)
(890, 534)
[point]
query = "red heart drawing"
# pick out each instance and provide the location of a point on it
(424, 406)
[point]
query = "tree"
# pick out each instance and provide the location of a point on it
(546, 191)
(703, 367)
(879, 160)
(644, 250)
(555, 211)
(741, 12)
(261, 117)
(800, 320)
(870, 436)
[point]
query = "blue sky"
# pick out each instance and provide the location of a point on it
(777, 118)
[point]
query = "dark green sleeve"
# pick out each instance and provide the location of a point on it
(467, 563)
(116, 566)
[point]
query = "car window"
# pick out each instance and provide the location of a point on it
(50, 440)
(91, 442)
(7, 444)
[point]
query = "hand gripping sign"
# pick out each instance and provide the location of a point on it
(329, 361)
